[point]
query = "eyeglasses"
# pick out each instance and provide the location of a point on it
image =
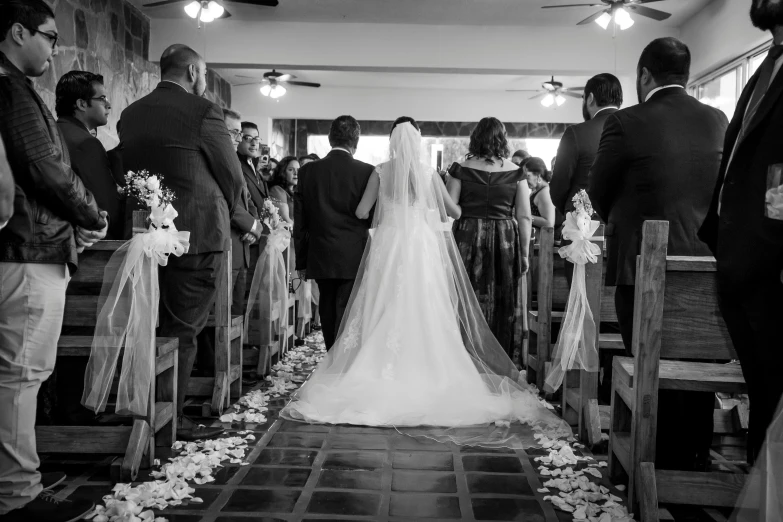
(53, 37)
(247, 138)
(103, 99)
(234, 134)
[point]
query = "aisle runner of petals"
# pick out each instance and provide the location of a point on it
(197, 461)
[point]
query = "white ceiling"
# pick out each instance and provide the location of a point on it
(430, 12)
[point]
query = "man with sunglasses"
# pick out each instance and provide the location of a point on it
(54, 215)
(82, 107)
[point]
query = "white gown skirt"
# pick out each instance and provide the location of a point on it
(400, 359)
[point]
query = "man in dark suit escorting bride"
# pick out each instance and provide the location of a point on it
(328, 237)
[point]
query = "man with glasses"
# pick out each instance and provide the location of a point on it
(248, 150)
(54, 214)
(82, 107)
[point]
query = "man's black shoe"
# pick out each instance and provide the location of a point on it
(52, 479)
(48, 508)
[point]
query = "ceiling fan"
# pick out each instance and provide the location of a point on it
(271, 84)
(208, 10)
(553, 93)
(618, 10)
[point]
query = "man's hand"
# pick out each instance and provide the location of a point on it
(249, 238)
(525, 265)
(87, 238)
(302, 274)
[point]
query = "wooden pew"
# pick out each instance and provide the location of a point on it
(229, 331)
(540, 278)
(676, 316)
(158, 427)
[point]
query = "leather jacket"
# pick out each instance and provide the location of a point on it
(50, 198)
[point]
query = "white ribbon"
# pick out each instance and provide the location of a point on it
(127, 315)
(576, 344)
(269, 292)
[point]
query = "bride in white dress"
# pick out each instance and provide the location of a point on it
(414, 348)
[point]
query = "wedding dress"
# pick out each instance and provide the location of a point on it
(414, 348)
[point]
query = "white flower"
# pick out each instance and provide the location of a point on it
(153, 183)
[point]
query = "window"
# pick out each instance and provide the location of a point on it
(722, 87)
(722, 92)
(375, 149)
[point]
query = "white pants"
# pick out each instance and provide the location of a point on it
(32, 300)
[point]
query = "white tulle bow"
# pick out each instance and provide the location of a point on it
(576, 343)
(127, 316)
(267, 304)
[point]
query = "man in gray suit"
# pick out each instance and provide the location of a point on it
(177, 133)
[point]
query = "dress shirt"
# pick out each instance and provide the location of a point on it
(342, 149)
(649, 94)
(604, 108)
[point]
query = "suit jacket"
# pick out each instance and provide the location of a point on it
(183, 138)
(258, 191)
(575, 156)
(242, 222)
(91, 163)
(656, 160)
(328, 237)
(748, 245)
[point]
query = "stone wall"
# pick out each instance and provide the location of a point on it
(111, 38)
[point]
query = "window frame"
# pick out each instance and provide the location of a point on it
(742, 64)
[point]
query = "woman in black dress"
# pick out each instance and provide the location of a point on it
(493, 233)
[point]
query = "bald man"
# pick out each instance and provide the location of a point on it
(176, 132)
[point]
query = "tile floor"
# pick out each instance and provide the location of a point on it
(300, 472)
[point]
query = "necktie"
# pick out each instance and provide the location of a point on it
(762, 85)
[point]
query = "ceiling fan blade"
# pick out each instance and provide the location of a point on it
(571, 5)
(539, 95)
(549, 87)
(163, 2)
(521, 90)
(643, 1)
(304, 84)
(225, 14)
(571, 94)
(574, 89)
(649, 12)
(592, 18)
(285, 77)
(259, 3)
(243, 84)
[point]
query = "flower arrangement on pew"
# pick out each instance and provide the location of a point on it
(267, 303)
(576, 343)
(128, 306)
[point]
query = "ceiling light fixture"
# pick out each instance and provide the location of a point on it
(266, 89)
(548, 100)
(277, 91)
(559, 100)
(203, 10)
(604, 20)
(622, 19)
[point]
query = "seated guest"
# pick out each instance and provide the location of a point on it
(519, 157)
(538, 178)
(82, 106)
(281, 188)
(304, 160)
